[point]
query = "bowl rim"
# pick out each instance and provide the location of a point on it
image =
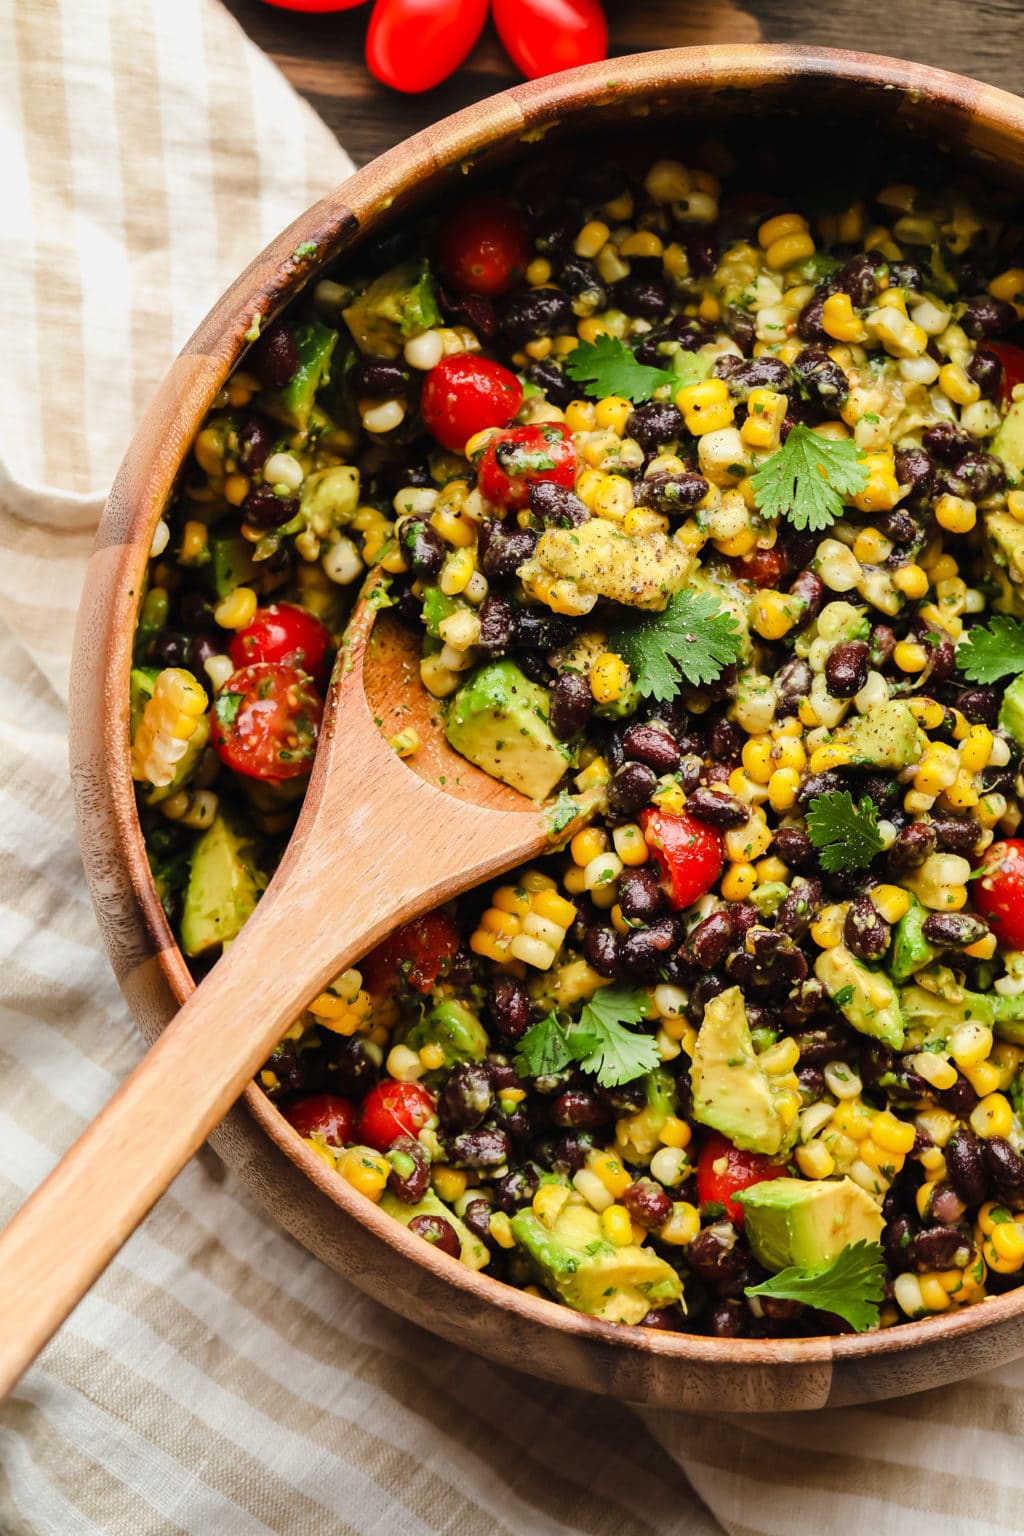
(146, 477)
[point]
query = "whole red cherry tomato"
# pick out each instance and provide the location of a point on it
(418, 952)
(323, 1114)
(542, 36)
(393, 1109)
(765, 567)
(1012, 359)
(266, 719)
(723, 1169)
(484, 246)
(688, 852)
(284, 632)
(413, 45)
(464, 395)
(512, 461)
(999, 893)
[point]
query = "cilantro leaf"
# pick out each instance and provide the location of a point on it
(846, 834)
(992, 651)
(807, 478)
(226, 707)
(693, 637)
(851, 1286)
(613, 1053)
(607, 367)
(544, 1049)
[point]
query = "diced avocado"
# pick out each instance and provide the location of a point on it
(329, 498)
(576, 1261)
(911, 951)
(845, 623)
(153, 614)
(1004, 550)
(807, 1222)
(1011, 711)
(887, 736)
(436, 608)
(939, 1013)
(1008, 443)
(141, 690)
(223, 888)
(294, 403)
(868, 1000)
(719, 583)
(499, 721)
(231, 563)
(458, 1032)
(396, 306)
(640, 1133)
(731, 1090)
(474, 1254)
(598, 560)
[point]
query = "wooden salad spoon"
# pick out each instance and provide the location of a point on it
(379, 841)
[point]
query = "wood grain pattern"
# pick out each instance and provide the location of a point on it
(329, 1217)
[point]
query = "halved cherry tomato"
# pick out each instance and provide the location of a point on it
(542, 36)
(418, 952)
(284, 632)
(323, 1114)
(464, 395)
(266, 719)
(999, 893)
(413, 45)
(723, 1169)
(393, 1109)
(512, 461)
(1012, 359)
(688, 852)
(484, 246)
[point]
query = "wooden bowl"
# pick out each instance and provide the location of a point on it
(705, 86)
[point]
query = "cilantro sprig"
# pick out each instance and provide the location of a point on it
(692, 640)
(851, 1286)
(992, 651)
(807, 479)
(608, 367)
(598, 1040)
(846, 835)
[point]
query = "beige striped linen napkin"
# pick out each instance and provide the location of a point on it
(218, 1379)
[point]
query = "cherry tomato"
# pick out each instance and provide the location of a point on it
(484, 246)
(512, 462)
(285, 632)
(542, 36)
(393, 1109)
(266, 719)
(418, 951)
(1012, 359)
(413, 45)
(723, 1169)
(765, 567)
(464, 395)
(999, 894)
(688, 852)
(325, 1114)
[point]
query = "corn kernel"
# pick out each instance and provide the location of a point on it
(909, 656)
(366, 1170)
(782, 789)
(630, 845)
(955, 514)
(613, 412)
(977, 748)
(891, 902)
(787, 250)
(549, 905)
(642, 242)
(738, 881)
(586, 845)
(970, 1044)
(757, 759)
(773, 614)
(838, 319)
(993, 1116)
(581, 416)
(610, 1171)
(682, 1226)
(591, 238)
(814, 1160)
(675, 1132)
(935, 1069)
(957, 386)
(616, 1225)
(237, 610)
(706, 407)
(1009, 285)
(609, 678)
(911, 580)
(827, 931)
(891, 1134)
(455, 528)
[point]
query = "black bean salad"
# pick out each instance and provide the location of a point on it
(713, 508)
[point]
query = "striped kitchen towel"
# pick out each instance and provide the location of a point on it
(219, 1379)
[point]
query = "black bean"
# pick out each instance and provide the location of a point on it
(531, 313)
(846, 668)
(424, 547)
(510, 1006)
(947, 442)
(1005, 1168)
(641, 951)
(516, 1188)
(466, 1097)
(810, 589)
(571, 703)
(553, 382)
(554, 506)
(171, 649)
(477, 1217)
(726, 1319)
(502, 1073)
(897, 1236)
(976, 477)
(496, 619)
(502, 549)
(657, 422)
(701, 249)
(792, 685)
(713, 1256)
(275, 358)
(718, 808)
(941, 659)
(662, 1318)
(640, 896)
(410, 1170)
(745, 374)
(805, 999)
(906, 274)
(577, 1110)
(953, 930)
(980, 705)
(818, 784)
(859, 277)
(810, 321)
(827, 1042)
(580, 278)
(262, 508)
(540, 629)
(571, 1152)
(986, 370)
(881, 644)
(378, 376)
(794, 848)
(812, 1083)
(670, 491)
(434, 1229)
(650, 742)
(647, 1203)
(912, 846)
(936, 1249)
(710, 941)
(800, 908)
(726, 742)
(985, 317)
(601, 949)
(702, 993)
(965, 1167)
(483, 1148)
(824, 380)
(946, 1205)
(961, 1099)
(205, 644)
(864, 932)
(256, 438)
(631, 788)
(640, 295)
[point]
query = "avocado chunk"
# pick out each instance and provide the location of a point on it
(474, 1254)
(868, 1000)
(231, 562)
(807, 1222)
(293, 404)
(731, 1090)
(458, 1032)
(329, 498)
(911, 951)
(598, 560)
(887, 736)
(436, 608)
(1004, 552)
(939, 1013)
(223, 888)
(1008, 443)
(142, 682)
(1011, 711)
(499, 721)
(728, 593)
(394, 307)
(577, 1262)
(642, 1130)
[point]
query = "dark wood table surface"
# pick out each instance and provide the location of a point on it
(323, 55)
